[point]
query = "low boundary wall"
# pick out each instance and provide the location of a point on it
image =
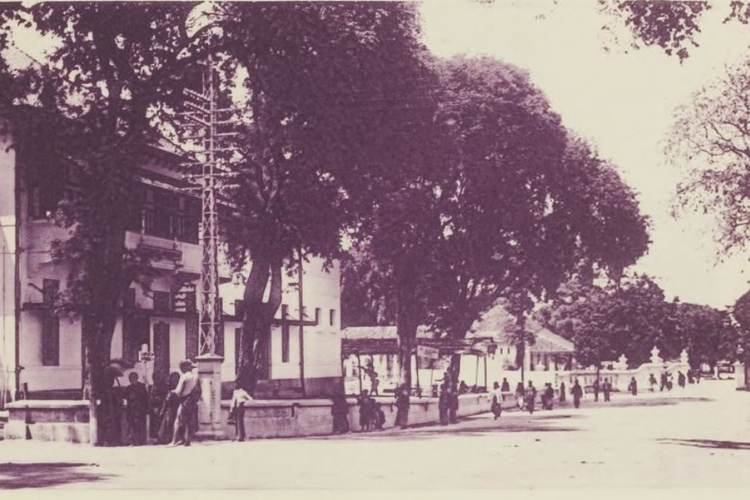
(68, 421)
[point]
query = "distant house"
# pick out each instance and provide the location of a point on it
(548, 352)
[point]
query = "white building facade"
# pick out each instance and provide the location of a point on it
(41, 353)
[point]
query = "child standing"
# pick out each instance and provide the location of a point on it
(237, 411)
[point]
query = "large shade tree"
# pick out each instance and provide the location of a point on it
(322, 86)
(111, 68)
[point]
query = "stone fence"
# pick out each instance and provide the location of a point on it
(69, 420)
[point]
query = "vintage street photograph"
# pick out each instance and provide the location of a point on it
(374, 246)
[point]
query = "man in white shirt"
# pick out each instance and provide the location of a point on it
(188, 391)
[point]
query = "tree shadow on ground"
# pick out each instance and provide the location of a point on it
(708, 443)
(46, 474)
(534, 424)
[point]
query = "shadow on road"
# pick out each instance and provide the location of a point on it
(44, 475)
(708, 443)
(472, 427)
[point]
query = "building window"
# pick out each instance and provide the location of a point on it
(50, 339)
(285, 344)
(162, 301)
(332, 317)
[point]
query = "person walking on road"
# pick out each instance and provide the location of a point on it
(520, 395)
(562, 392)
(633, 387)
(497, 400)
(606, 389)
(577, 393)
(530, 397)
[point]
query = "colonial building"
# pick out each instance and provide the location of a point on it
(488, 353)
(41, 353)
(547, 352)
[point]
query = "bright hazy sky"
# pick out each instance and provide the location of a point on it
(623, 102)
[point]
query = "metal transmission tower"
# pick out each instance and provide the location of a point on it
(212, 127)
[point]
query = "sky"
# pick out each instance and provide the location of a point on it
(623, 101)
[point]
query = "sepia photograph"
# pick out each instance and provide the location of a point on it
(320, 248)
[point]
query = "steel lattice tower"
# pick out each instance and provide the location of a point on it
(206, 114)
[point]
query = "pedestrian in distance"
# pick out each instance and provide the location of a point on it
(188, 391)
(577, 393)
(505, 386)
(652, 382)
(237, 411)
(633, 386)
(549, 396)
(365, 411)
(156, 397)
(402, 406)
(530, 397)
(690, 377)
(681, 379)
(606, 389)
(453, 408)
(664, 381)
(596, 390)
(136, 399)
(562, 392)
(520, 395)
(444, 403)
(378, 416)
(497, 400)
(340, 411)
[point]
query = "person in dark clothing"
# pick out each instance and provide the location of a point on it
(690, 377)
(505, 386)
(596, 390)
(530, 397)
(497, 400)
(652, 382)
(562, 392)
(577, 393)
(340, 411)
(136, 397)
(402, 406)
(606, 389)
(664, 382)
(444, 403)
(157, 395)
(168, 411)
(366, 404)
(633, 387)
(520, 395)
(681, 379)
(549, 396)
(111, 406)
(378, 416)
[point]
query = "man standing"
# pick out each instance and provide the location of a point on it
(577, 392)
(188, 392)
(237, 411)
(530, 397)
(607, 389)
(136, 397)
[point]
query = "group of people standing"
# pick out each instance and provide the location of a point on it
(170, 406)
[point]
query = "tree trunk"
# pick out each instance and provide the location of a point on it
(257, 321)
(106, 283)
(407, 324)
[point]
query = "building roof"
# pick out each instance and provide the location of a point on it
(382, 332)
(498, 323)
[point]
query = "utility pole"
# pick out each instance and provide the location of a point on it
(301, 325)
(209, 123)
